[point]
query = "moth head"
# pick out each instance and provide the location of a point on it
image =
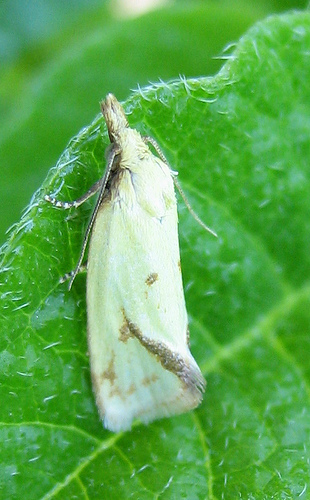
(114, 116)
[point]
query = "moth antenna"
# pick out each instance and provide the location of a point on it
(152, 141)
(191, 211)
(67, 276)
(105, 178)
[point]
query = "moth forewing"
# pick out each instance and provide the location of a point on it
(141, 365)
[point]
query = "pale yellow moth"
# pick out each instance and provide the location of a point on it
(138, 337)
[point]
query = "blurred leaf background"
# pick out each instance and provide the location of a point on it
(59, 59)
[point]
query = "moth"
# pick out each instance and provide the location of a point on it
(138, 336)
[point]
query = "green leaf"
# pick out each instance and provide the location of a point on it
(240, 142)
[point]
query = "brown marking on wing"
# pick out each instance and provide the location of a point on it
(132, 389)
(125, 333)
(149, 380)
(109, 373)
(115, 392)
(150, 280)
(171, 361)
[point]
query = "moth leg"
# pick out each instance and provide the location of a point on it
(68, 276)
(75, 203)
(178, 186)
(98, 186)
(191, 211)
